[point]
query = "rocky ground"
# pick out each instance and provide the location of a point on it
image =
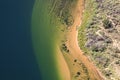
(102, 36)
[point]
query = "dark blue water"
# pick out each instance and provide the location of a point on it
(17, 59)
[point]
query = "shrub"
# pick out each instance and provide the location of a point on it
(107, 24)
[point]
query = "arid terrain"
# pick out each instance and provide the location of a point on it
(102, 37)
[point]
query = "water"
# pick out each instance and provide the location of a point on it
(44, 40)
(17, 57)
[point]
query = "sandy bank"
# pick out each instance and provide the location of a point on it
(82, 65)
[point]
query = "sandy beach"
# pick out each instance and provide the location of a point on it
(74, 62)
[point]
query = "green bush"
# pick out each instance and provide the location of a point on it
(107, 24)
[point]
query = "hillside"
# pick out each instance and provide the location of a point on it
(99, 36)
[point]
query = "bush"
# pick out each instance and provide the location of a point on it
(107, 24)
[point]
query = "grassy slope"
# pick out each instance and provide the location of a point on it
(87, 16)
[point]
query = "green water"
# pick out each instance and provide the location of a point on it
(43, 34)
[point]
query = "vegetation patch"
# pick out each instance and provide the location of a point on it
(64, 48)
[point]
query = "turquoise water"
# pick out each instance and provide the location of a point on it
(44, 40)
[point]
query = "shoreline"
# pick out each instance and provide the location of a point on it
(75, 52)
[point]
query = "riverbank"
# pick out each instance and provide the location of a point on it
(56, 45)
(79, 65)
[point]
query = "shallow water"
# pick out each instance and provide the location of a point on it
(44, 40)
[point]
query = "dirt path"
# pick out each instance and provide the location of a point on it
(76, 61)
